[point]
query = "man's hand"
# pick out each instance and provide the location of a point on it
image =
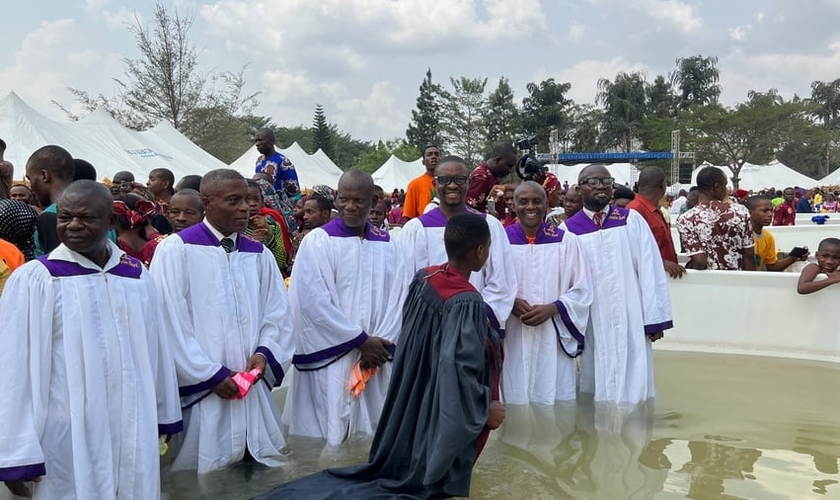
(373, 352)
(699, 261)
(520, 307)
(655, 335)
(539, 314)
(226, 389)
(673, 269)
(497, 414)
(20, 488)
(256, 361)
(259, 228)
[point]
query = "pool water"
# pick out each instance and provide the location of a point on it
(722, 426)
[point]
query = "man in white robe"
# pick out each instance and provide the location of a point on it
(421, 243)
(345, 295)
(631, 305)
(89, 382)
(545, 332)
(227, 311)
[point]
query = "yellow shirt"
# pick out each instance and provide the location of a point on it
(4, 275)
(765, 249)
(817, 199)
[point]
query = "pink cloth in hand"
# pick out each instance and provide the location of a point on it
(244, 381)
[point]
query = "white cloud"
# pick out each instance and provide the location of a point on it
(584, 76)
(114, 20)
(378, 114)
(576, 32)
(739, 33)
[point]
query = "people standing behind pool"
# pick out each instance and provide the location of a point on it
(766, 257)
(828, 260)
(803, 204)
(345, 293)
(224, 306)
(830, 204)
(716, 234)
(652, 186)
(421, 242)
(544, 334)
(631, 306)
(785, 213)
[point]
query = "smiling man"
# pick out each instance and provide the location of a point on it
(551, 310)
(90, 383)
(631, 305)
(421, 242)
(345, 297)
(225, 307)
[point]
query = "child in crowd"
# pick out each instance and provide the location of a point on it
(828, 259)
(761, 216)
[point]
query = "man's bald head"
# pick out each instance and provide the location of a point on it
(528, 187)
(214, 179)
(354, 198)
(452, 159)
(94, 194)
(356, 179)
(594, 170)
(651, 178)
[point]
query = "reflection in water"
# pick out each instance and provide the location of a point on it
(723, 427)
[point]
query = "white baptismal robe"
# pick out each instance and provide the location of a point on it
(343, 290)
(539, 360)
(631, 299)
(421, 246)
(89, 383)
(220, 309)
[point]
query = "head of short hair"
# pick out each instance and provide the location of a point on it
(709, 176)
(831, 242)
(95, 194)
(452, 159)
(214, 178)
(190, 193)
(650, 178)
(754, 200)
(124, 175)
(324, 204)
(55, 160)
(503, 150)
(269, 134)
(464, 232)
(167, 175)
(2, 145)
(191, 181)
(84, 170)
(427, 146)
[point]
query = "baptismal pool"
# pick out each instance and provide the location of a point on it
(722, 426)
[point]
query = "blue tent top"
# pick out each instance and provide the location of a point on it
(613, 157)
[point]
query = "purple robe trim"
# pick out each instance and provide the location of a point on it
(338, 229)
(200, 234)
(129, 267)
(494, 321)
(170, 429)
(276, 369)
(580, 223)
(435, 218)
(330, 352)
(545, 234)
(658, 327)
(570, 325)
(189, 390)
(22, 472)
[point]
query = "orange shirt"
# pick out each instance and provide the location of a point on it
(10, 254)
(419, 193)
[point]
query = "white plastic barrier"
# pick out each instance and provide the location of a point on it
(805, 219)
(788, 237)
(752, 313)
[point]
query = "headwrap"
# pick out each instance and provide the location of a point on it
(137, 217)
(325, 192)
(551, 183)
(17, 226)
(269, 195)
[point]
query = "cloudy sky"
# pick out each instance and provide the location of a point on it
(363, 60)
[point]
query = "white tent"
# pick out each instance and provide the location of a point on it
(623, 173)
(831, 179)
(396, 173)
(312, 170)
(756, 177)
(99, 139)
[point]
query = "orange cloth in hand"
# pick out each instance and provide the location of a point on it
(360, 378)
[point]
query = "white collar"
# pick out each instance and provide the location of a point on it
(218, 234)
(62, 252)
(591, 214)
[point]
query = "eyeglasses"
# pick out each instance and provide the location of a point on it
(594, 181)
(445, 180)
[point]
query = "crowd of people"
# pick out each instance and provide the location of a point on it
(144, 317)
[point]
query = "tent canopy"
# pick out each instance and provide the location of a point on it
(624, 173)
(756, 177)
(396, 173)
(99, 139)
(312, 169)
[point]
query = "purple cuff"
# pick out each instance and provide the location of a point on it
(276, 369)
(658, 327)
(494, 321)
(330, 352)
(170, 429)
(567, 320)
(22, 473)
(189, 390)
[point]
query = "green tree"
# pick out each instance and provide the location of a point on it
(696, 81)
(826, 99)
(321, 133)
(502, 123)
(585, 131)
(464, 112)
(374, 158)
(624, 102)
(424, 127)
(753, 131)
(347, 149)
(660, 98)
(546, 107)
